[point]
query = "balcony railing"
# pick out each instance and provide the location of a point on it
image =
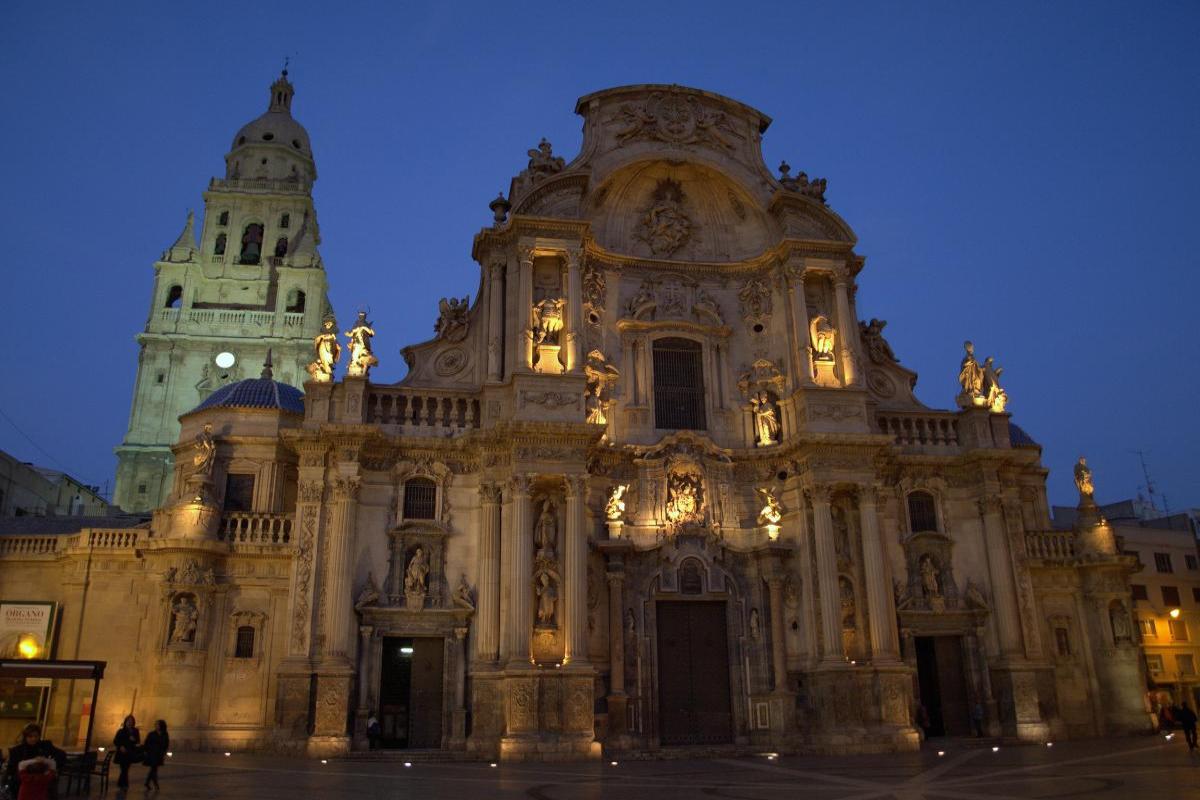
(258, 184)
(1050, 545)
(920, 429)
(173, 318)
(421, 411)
(112, 539)
(29, 545)
(239, 527)
(88, 539)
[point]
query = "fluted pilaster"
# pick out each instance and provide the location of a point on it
(880, 600)
(487, 604)
(827, 575)
(518, 578)
(575, 569)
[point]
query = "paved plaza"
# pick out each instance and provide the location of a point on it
(1113, 768)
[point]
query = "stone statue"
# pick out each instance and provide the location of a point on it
(543, 162)
(327, 350)
(463, 597)
(614, 509)
(970, 378)
(545, 532)
(630, 626)
(841, 534)
(1083, 479)
(771, 512)
(974, 597)
(185, 615)
(361, 358)
(600, 376)
(416, 577)
(595, 404)
(847, 597)
(823, 337)
(766, 420)
(452, 319)
(995, 397)
(547, 320)
(878, 350)
(1122, 632)
(755, 625)
(645, 296)
(369, 596)
(929, 577)
(547, 597)
(205, 455)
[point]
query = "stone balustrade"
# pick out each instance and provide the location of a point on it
(259, 185)
(29, 545)
(111, 539)
(87, 539)
(427, 412)
(920, 429)
(174, 319)
(240, 527)
(1050, 545)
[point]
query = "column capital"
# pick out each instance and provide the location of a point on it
(346, 487)
(519, 484)
(490, 493)
(576, 486)
(818, 493)
(496, 270)
(990, 504)
(525, 254)
(573, 256)
(869, 493)
(365, 631)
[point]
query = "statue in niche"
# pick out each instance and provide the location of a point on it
(451, 324)
(664, 225)
(543, 162)
(369, 596)
(416, 577)
(766, 419)
(204, 456)
(1122, 631)
(771, 512)
(878, 350)
(847, 599)
(184, 617)
(974, 597)
(463, 596)
(361, 357)
(970, 378)
(823, 337)
(1083, 480)
(614, 509)
(547, 320)
(327, 350)
(547, 597)
(995, 398)
(755, 625)
(600, 376)
(841, 534)
(595, 404)
(645, 297)
(706, 303)
(929, 578)
(545, 532)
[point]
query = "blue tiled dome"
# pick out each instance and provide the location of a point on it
(256, 393)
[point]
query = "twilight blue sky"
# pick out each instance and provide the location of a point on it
(1021, 174)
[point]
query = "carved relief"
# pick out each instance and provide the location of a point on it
(878, 350)
(755, 300)
(665, 226)
(452, 319)
(685, 496)
(550, 400)
(450, 362)
(675, 119)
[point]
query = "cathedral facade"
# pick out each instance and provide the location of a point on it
(654, 485)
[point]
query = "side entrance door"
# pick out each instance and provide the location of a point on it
(410, 693)
(693, 674)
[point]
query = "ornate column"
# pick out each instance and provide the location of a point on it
(778, 650)
(365, 684)
(338, 591)
(880, 600)
(495, 321)
(618, 700)
(573, 329)
(458, 719)
(487, 604)
(847, 327)
(518, 580)
(802, 353)
(525, 310)
(575, 572)
(827, 576)
(1000, 575)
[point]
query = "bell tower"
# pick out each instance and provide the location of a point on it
(254, 282)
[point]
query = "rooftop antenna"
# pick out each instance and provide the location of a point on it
(1150, 491)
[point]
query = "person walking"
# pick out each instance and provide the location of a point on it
(373, 731)
(977, 719)
(128, 744)
(157, 744)
(32, 746)
(1187, 720)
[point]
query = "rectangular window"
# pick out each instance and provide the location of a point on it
(420, 499)
(245, 642)
(679, 385)
(1146, 626)
(1170, 595)
(1162, 562)
(1179, 631)
(239, 492)
(1139, 592)
(1186, 664)
(1063, 640)
(1191, 563)
(1154, 663)
(1196, 594)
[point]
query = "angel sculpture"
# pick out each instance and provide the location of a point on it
(328, 351)
(771, 512)
(361, 357)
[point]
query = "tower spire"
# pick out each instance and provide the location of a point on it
(281, 93)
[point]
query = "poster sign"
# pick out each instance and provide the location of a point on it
(26, 632)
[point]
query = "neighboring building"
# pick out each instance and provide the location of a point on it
(255, 283)
(28, 490)
(656, 486)
(1166, 596)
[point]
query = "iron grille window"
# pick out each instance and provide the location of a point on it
(1162, 562)
(1139, 591)
(420, 499)
(921, 512)
(239, 493)
(245, 642)
(678, 385)
(1170, 595)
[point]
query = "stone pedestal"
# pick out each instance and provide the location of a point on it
(330, 736)
(548, 715)
(546, 359)
(826, 373)
(616, 528)
(1015, 687)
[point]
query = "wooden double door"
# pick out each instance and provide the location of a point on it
(693, 674)
(943, 685)
(410, 692)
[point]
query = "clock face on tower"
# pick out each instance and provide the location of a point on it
(225, 359)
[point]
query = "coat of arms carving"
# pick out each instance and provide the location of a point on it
(685, 498)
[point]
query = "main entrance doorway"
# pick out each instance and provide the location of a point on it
(410, 693)
(693, 674)
(943, 685)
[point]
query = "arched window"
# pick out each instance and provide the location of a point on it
(174, 297)
(285, 220)
(219, 247)
(252, 238)
(223, 219)
(281, 247)
(678, 385)
(245, 642)
(295, 303)
(922, 512)
(420, 499)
